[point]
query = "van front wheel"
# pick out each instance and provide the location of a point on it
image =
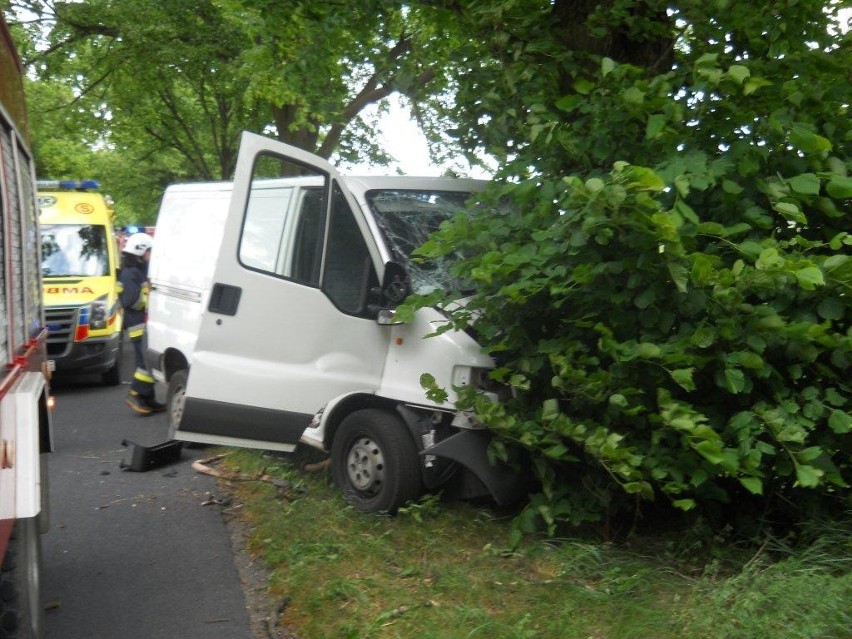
(375, 462)
(175, 399)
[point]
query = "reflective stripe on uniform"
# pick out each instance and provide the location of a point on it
(136, 331)
(143, 376)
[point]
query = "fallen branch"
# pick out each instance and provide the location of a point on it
(312, 468)
(204, 466)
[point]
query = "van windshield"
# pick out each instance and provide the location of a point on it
(73, 250)
(407, 218)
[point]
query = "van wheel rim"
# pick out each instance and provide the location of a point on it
(177, 404)
(365, 465)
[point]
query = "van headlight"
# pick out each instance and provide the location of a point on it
(480, 379)
(98, 314)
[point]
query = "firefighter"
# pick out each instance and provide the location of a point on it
(134, 297)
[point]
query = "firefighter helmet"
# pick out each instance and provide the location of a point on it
(138, 243)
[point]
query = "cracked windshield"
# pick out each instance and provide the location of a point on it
(407, 218)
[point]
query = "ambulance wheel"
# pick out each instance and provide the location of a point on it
(20, 598)
(112, 377)
(374, 461)
(175, 400)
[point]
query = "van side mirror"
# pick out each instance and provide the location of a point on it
(396, 286)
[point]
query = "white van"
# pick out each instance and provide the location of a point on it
(271, 321)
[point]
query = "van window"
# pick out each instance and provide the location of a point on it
(263, 227)
(349, 272)
(292, 230)
(74, 249)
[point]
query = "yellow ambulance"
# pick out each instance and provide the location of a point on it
(79, 264)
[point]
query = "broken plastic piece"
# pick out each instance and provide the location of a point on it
(150, 457)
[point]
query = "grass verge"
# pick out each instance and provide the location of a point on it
(443, 571)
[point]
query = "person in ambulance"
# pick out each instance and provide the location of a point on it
(134, 297)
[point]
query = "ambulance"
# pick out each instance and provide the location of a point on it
(79, 265)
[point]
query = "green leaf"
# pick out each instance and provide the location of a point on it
(810, 277)
(734, 380)
(791, 212)
(680, 276)
(703, 337)
(639, 488)
(647, 178)
(729, 186)
(806, 184)
(684, 504)
(809, 454)
(752, 484)
(840, 422)
(683, 377)
(711, 451)
(595, 185)
(808, 141)
(739, 73)
(549, 409)
(556, 452)
(633, 95)
(685, 210)
(607, 66)
(840, 188)
(656, 123)
(831, 309)
(808, 476)
(645, 299)
(754, 83)
(647, 350)
(584, 87)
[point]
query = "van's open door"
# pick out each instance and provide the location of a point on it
(287, 328)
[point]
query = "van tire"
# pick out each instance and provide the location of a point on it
(20, 599)
(374, 461)
(175, 399)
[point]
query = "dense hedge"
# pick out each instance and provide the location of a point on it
(664, 275)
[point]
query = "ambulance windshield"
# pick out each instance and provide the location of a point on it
(78, 250)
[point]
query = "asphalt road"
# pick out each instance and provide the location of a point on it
(131, 554)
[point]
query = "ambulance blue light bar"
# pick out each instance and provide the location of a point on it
(68, 185)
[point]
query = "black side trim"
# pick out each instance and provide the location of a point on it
(209, 417)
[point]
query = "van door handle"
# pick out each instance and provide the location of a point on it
(224, 299)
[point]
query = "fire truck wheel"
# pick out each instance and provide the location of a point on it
(20, 599)
(175, 398)
(374, 461)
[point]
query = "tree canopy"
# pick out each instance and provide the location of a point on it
(161, 90)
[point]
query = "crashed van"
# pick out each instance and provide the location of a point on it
(271, 320)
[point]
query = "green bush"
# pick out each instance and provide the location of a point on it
(663, 269)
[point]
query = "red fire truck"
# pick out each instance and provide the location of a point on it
(25, 425)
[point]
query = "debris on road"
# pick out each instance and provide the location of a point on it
(149, 457)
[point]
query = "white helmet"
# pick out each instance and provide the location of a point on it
(138, 243)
